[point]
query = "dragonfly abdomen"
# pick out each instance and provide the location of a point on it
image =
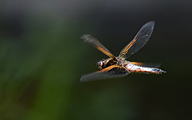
(135, 68)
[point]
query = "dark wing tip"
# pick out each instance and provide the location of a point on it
(82, 79)
(85, 36)
(151, 22)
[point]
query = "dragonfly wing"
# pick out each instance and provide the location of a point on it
(154, 65)
(113, 71)
(94, 42)
(139, 41)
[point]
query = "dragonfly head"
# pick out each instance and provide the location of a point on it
(100, 64)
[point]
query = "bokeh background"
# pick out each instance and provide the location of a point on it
(42, 59)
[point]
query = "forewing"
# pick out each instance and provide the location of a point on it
(94, 42)
(113, 71)
(139, 41)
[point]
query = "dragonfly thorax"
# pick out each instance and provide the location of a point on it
(106, 63)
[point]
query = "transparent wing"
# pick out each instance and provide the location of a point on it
(154, 65)
(139, 41)
(113, 71)
(94, 42)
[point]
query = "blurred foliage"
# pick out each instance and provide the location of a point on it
(36, 64)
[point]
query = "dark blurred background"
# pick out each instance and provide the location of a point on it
(42, 59)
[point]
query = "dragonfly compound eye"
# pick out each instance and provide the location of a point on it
(100, 65)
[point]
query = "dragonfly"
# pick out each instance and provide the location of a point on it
(116, 67)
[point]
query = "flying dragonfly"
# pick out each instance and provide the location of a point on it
(115, 67)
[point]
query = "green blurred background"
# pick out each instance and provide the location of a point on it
(42, 59)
